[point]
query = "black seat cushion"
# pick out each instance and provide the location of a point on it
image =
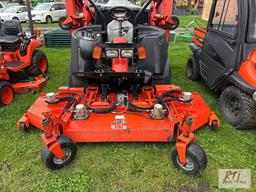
(9, 40)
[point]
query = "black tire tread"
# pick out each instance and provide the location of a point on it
(34, 69)
(197, 153)
(248, 120)
(196, 70)
(47, 156)
(4, 84)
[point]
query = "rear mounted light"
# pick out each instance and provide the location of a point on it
(128, 53)
(142, 54)
(112, 53)
(97, 53)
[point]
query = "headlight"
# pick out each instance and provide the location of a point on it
(112, 53)
(127, 53)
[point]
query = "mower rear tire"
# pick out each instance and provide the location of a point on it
(54, 163)
(39, 64)
(74, 81)
(193, 70)
(238, 108)
(7, 93)
(196, 160)
(166, 78)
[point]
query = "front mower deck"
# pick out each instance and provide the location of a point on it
(34, 85)
(131, 119)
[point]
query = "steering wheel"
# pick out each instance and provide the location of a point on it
(120, 13)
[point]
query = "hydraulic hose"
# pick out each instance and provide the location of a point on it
(64, 99)
(140, 109)
(100, 111)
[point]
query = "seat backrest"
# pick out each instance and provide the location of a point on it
(11, 27)
(113, 30)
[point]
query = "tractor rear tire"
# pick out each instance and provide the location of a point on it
(39, 64)
(165, 79)
(54, 163)
(193, 70)
(196, 160)
(7, 93)
(238, 108)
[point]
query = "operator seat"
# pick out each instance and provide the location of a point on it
(9, 35)
(113, 30)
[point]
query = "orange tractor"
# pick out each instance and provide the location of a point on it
(22, 65)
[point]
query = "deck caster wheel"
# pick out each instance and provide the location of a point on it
(214, 125)
(238, 108)
(196, 160)
(33, 91)
(54, 163)
(22, 127)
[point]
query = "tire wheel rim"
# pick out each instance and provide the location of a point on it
(49, 20)
(189, 166)
(233, 107)
(7, 95)
(67, 154)
(189, 69)
(43, 65)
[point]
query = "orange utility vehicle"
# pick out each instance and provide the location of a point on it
(224, 56)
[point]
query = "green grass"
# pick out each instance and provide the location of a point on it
(185, 20)
(116, 167)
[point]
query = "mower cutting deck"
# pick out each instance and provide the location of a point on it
(157, 114)
(119, 88)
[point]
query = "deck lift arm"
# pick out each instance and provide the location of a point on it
(80, 14)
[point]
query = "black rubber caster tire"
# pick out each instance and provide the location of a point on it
(52, 162)
(165, 79)
(39, 64)
(214, 125)
(193, 70)
(22, 127)
(196, 158)
(7, 93)
(63, 26)
(238, 108)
